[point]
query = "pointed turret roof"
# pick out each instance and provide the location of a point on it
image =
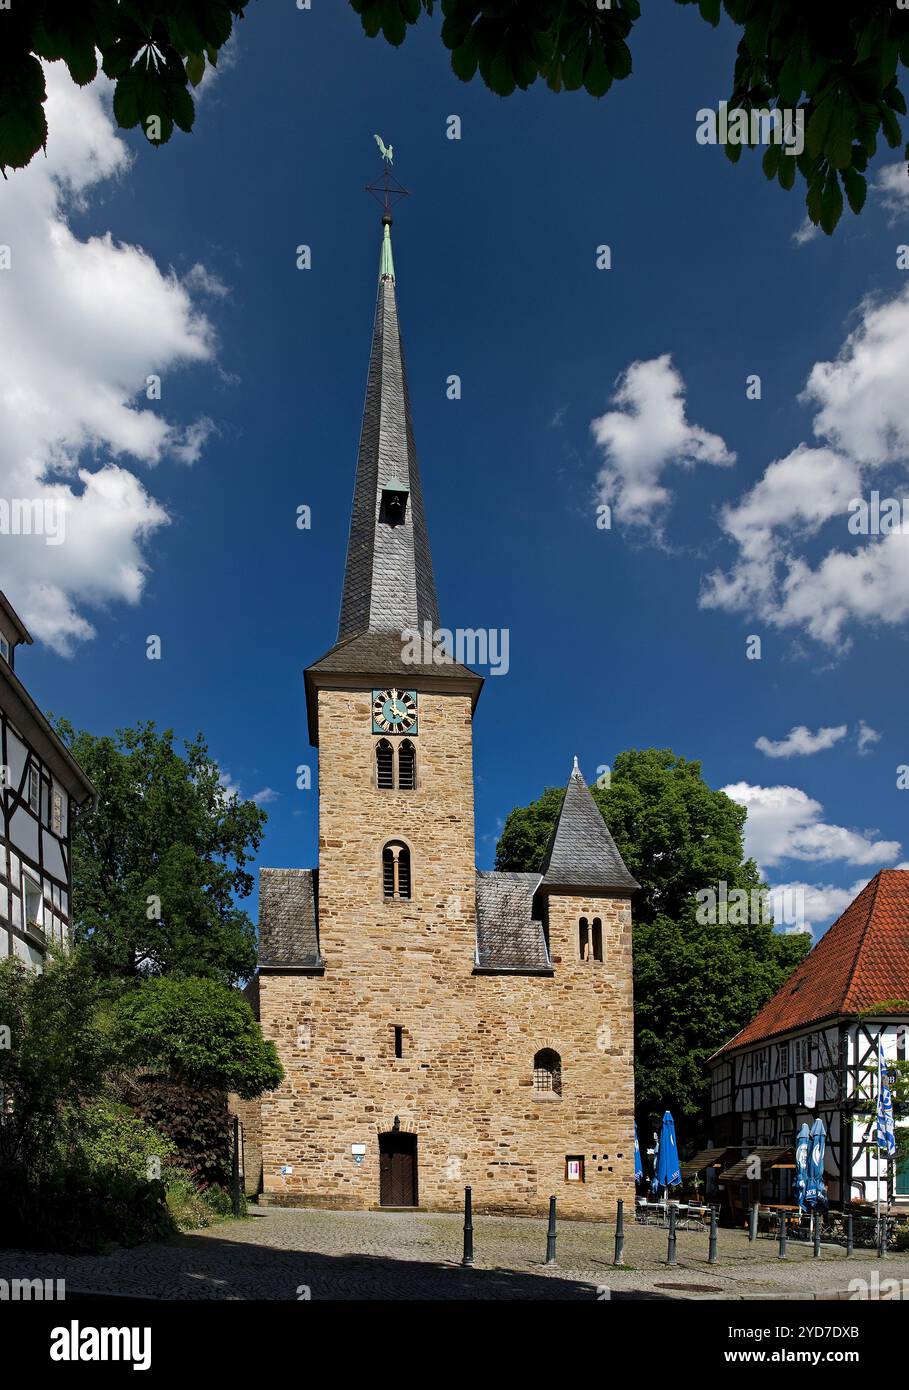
(389, 587)
(582, 855)
(388, 583)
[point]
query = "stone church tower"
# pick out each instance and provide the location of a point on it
(438, 1026)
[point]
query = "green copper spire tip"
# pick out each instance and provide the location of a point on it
(387, 271)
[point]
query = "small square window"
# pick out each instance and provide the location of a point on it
(574, 1168)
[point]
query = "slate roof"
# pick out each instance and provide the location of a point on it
(382, 652)
(861, 961)
(388, 582)
(508, 938)
(288, 919)
(582, 853)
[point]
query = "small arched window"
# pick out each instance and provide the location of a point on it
(407, 766)
(396, 870)
(547, 1072)
(583, 939)
(385, 765)
(596, 939)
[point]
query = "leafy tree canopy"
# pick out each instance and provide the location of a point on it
(158, 865)
(695, 984)
(839, 62)
(198, 1030)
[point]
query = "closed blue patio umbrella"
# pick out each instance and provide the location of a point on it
(816, 1192)
(667, 1172)
(802, 1145)
(638, 1165)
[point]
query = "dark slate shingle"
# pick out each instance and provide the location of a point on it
(288, 923)
(507, 936)
(388, 581)
(582, 853)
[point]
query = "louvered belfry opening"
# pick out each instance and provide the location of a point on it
(385, 765)
(407, 766)
(396, 870)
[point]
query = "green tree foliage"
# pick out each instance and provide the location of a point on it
(696, 984)
(53, 1057)
(197, 1030)
(165, 836)
(839, 63)
(155, 50)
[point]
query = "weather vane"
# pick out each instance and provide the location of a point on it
(388, 190)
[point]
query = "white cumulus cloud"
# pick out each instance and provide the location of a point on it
(800, 741)
(647, 433)
(786, 823)
(85, 323)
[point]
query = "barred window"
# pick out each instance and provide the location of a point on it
(547, 1072)
(396, 870)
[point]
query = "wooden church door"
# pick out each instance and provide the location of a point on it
(397, 1169)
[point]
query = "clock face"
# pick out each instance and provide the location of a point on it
(394, 711)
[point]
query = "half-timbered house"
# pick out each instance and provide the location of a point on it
(40, 781)
(812, 1051)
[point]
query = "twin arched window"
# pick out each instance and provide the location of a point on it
(406, 779)
(396, 870)
(590, 939)
(547, 1072)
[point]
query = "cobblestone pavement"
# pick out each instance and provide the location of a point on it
(404, 1255)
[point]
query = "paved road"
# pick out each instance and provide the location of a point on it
(370, 1255)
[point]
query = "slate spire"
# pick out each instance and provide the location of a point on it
(388, 582)
(582, 854)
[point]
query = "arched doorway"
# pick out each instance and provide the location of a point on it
(397, 1169)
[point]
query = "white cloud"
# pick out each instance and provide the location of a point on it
(892, 183)
(199, 280)
(801, 741)
(785, 823)
(817, 904)
(85, 322)
(647, 433)
(867, 737)
(228, 786)
(861, 413)
(266, 795)
(807, 231)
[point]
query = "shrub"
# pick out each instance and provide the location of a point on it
(116, 1139)
(81, 1212)
(195, 1120)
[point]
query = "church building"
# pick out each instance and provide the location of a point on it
(439, 1026)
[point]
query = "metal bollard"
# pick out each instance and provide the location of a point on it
(670, 1249)
(711, 1249)
(551, 1233)
(882, 1238)
(468, 1227)
(849, 1245)
(235, 1168)
(619, 1232)
(784, 1222)
(817, 1234)
(753, 1222)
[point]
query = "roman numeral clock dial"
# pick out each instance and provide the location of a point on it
(394, 711)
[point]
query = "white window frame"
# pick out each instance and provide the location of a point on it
(34, 790)
(5, 650)
(31, 885)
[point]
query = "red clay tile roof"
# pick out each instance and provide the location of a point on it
(862, 960)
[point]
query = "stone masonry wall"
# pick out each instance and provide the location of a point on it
(464, 1084)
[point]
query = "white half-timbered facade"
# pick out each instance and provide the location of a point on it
(812, 1049)
(40, 783)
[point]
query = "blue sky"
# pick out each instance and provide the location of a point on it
(613, 642)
